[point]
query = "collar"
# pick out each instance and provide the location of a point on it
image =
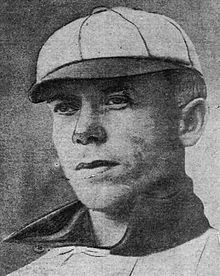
(159, 221)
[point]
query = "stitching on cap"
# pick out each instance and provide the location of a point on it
(145, 43)
(79, 37)
(187, 48)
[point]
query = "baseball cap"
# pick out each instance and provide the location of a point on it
(113, 42)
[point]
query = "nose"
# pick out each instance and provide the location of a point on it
(94, 134)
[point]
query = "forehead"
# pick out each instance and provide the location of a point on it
(147, 85)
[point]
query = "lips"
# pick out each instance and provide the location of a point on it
(96, 164)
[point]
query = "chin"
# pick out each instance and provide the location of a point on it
(103, 196)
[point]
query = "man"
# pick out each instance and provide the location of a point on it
(127, 96)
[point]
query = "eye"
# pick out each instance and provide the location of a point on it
(118, 101)
(67, 108)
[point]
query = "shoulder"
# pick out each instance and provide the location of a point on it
(209, 261)
(198, 257)
(73, 260)
(14, 255)
(45, 265)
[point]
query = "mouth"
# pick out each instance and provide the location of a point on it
(96, 164)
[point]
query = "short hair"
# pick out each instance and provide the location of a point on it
(186, 85)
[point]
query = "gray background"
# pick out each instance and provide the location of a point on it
(31, 184)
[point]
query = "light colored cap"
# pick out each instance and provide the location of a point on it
(113, 43)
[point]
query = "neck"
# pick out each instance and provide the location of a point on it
(108, 230)
(110, 227)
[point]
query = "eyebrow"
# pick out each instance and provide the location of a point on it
(62, 94)
(63, 97)
(117, 88)
(57, 89)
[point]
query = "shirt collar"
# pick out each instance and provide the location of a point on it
(163, 219)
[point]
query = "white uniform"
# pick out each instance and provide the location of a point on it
(200, 256)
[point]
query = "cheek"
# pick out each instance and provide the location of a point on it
(131, 132)
(139, 139)
(62, 136)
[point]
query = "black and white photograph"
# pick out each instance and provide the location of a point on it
(110, 138)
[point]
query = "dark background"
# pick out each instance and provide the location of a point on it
(31, 183)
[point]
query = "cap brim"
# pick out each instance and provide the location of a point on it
(99, 69)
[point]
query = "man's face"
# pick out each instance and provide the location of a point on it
(114, 137)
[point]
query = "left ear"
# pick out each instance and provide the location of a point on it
(192, 121)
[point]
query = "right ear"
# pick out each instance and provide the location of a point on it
(192, 121)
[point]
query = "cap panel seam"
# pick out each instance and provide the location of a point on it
(80, 36)
(187, 48)
(60, 67)
(145, 43)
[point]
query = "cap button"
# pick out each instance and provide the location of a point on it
(39, 249)
(99, 9)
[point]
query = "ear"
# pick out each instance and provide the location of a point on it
(192, 121)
